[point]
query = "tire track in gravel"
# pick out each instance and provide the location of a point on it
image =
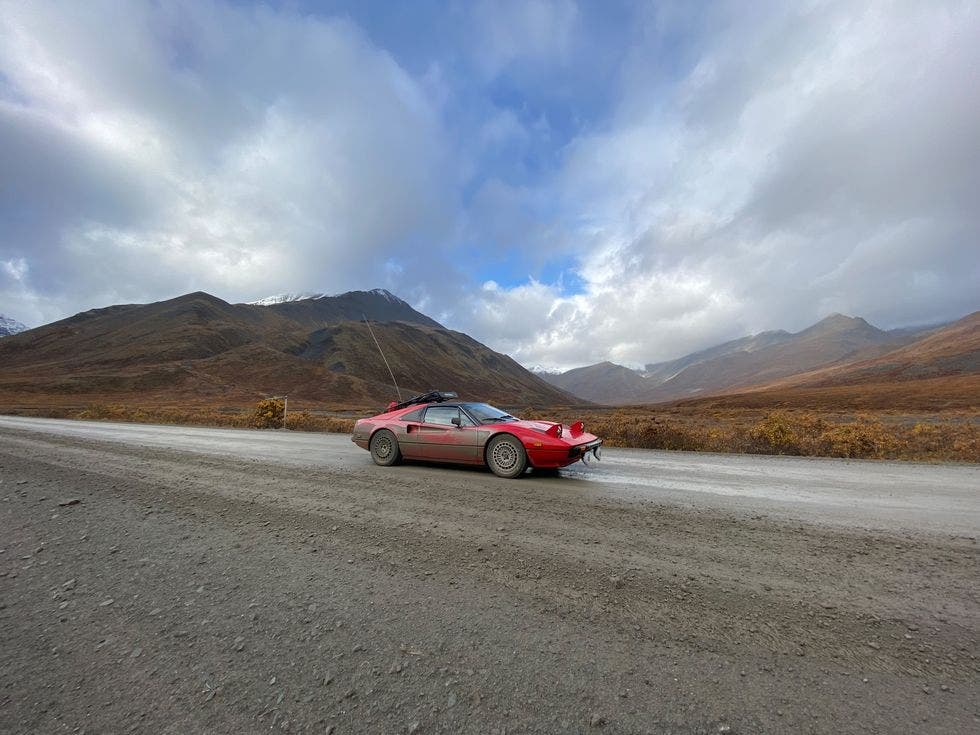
(712, 580)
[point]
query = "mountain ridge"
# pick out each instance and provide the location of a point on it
(200, 346)
(763, 359)
(377, 304)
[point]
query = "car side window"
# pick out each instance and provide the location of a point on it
(441, 415)
(415, 415)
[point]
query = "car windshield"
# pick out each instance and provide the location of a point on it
(487, 414)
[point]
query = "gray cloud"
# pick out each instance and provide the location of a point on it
(236, 150)
(813, 160)
(757, 166)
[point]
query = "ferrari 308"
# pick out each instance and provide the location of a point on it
(438, 427)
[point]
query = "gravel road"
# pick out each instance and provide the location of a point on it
(173, 579)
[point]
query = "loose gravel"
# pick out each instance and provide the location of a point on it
(150, 590)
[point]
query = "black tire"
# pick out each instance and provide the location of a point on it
(506, 457)
(384, 448)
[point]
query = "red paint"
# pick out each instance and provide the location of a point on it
(548, 444)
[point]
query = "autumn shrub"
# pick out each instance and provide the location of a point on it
(268, 414)
(337, 425)
(775, 434)
(946, 440)
(623, 430)
(861, 439)
(302, 421)
(305, 421)
(106, 413)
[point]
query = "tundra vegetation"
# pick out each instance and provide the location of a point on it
(906, 435)
(800, 433)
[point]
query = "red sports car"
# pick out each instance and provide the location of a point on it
(436, 426)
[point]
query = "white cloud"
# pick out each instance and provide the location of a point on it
(15, 268)
(743, 166)
(811, 160)
(236, 150)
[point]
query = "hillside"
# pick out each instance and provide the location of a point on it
(942, 366)
(659, 373)
(317, 310)
(949, 351)
(604, 382)
(198, 347)
(423, 357)
(759, 359)
(939, 371)
(832, 340)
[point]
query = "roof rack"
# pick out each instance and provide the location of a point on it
(434, 396)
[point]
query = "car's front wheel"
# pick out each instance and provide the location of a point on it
(384, 448)
(506, 457)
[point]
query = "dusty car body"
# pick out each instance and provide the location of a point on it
(438, 427)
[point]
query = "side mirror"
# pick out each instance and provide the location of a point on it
(457, 421)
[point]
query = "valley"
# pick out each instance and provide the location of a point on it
(839, 388)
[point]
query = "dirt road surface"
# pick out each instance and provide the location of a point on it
(180, 580)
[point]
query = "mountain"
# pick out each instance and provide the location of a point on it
(828, 341)
(938, 371)
(283, 298)
(318, 310)
(659, 373)
(760, 359)
(952, 350)
(605, 382)
(10, 326)
(423, 357)
(198, 347)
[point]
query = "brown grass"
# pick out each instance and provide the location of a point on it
(923, 436)
(267, 414)
(951, 437)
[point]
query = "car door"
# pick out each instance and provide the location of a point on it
(441, 439)
(408, 431)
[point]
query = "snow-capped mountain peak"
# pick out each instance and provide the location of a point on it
(10, 326)
(283, 298)
(543, 369)
(386, 294)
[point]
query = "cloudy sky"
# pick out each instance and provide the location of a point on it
(567, 181)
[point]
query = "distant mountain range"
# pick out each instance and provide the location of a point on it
(839, 350)
(10, 326)
(198, 347)
(317, 347)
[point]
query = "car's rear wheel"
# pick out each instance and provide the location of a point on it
(384, 448)
(506, 457)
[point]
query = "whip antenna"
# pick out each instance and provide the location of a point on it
(383, 357)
